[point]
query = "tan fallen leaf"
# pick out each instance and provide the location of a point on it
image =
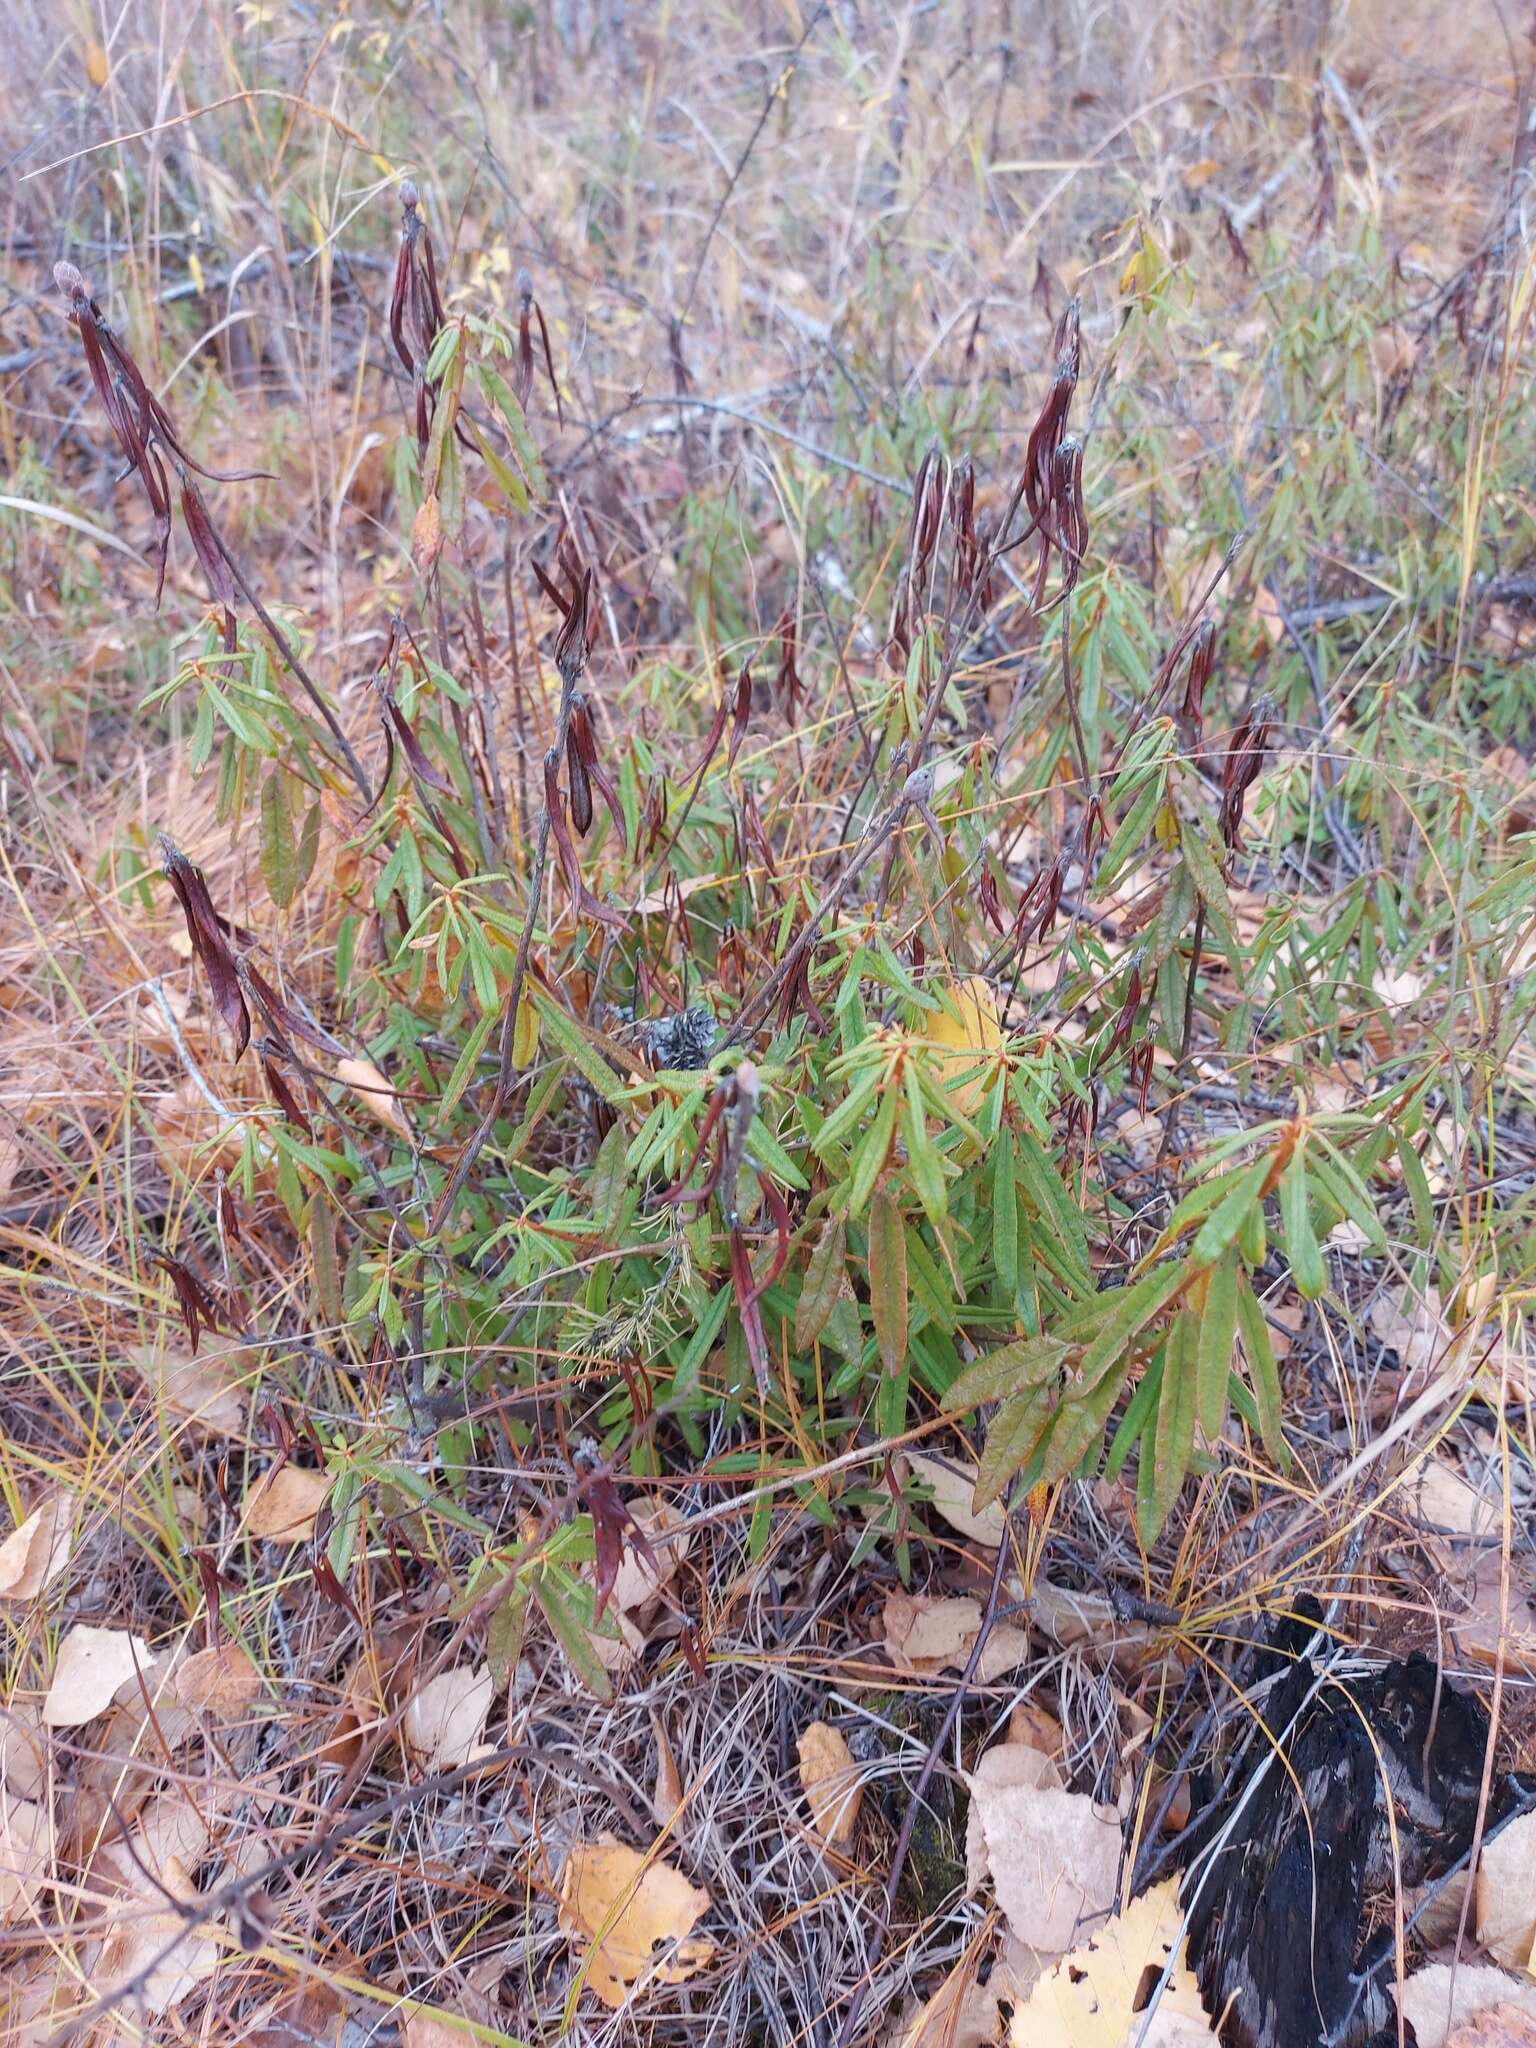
(422, 2029)
(281, 1506)
(1399, 990)
(964, 2012)
(37, 2002)
(967, 1031)
(927, 1635)
(24, 1856)
(172, 1827)
(640, 1581)
(23, 1750)
(1497, 2026)
(443, 1723)
(374, 1093)
(144, 1950)
(634, 1918)
(1428, 1998)
(1075, 1620)
(1506, 1894)
(952, 1484)
(1004, 1766)
(210, 1390)
(1052, 1855)
(34, 1554)
(667, 1795)
(221, 1682)
(92, 1664)
(1488, 1630)
(1090, 1999)
(1033, 1728)
(1443, 1500)
(829, 1778)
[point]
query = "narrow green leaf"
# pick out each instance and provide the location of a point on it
(1213, 1351)
(1211, 889)
(923, 1163)
(1012, 1440)
(1340, 1179)
(1307, 1265)
(1051, 1201)
(568, 1035)
(1174, 1441)
(1005, 1220)
(1416, 1181)
(700, 1342)
(1221, 1227)
(1028, 1363)
(871, 1155)
(465, 1065)
(826, 1277)
(849, 1113)
(1134, 1307)
(1138, 1413)
(504, 1631)
(279, 850)
(888, 1296)
(567, 1607)
(1263, 1373)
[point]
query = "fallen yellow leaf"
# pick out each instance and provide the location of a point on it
(967, 1031)
(1089, 1999)
(625, 1907)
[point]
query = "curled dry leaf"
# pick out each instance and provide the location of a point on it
(1440, 2011)
(1506, 1894)
(829, 1778)
(1090, 1999)
(221, 1682)
(208, 1390)
(634, 1916)
(92, 1664)
(32, 1556)
(667, 1797)
(281, 1507)
(374, 1093)
(443, 1723)
(24, 1856)
(1052, 1855)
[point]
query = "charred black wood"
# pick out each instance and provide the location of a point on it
(1283, 1865)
